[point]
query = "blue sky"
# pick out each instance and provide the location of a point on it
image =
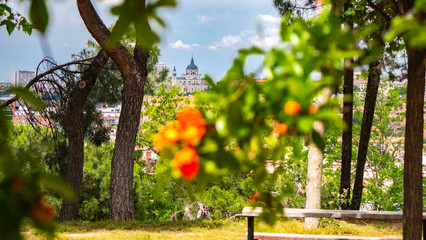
(210, 30)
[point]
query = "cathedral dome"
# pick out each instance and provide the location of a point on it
(192, 66)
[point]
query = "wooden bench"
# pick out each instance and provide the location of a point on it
(251, 213)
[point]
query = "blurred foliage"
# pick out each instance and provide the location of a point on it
(410, 27)
(240, 137)
(138, 14)
(23, 181)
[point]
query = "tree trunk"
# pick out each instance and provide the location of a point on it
(313, 180)
(345, 174)
(121, 197)
(413, 191)
(367, 121)
(73, 125)
(134, 72)
(348, 105)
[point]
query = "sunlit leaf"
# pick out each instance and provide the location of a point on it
(27, 97)
(58, 185)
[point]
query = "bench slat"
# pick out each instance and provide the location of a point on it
(285, 236)
(355, 214)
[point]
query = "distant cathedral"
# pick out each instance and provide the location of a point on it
(190, 81)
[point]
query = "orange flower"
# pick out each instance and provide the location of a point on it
(169, 134)
(312, 109)
(42, 212)
(193, 134)
(292, 108)
(188, 130)
(190, 117)
(192, 125)
(280, 129)
(186, 161)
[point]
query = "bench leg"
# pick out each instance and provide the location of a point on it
(250, 228)
(424, 229)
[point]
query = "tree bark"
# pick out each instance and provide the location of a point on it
(345, 174)
(367, 121)
(313, 179)
(413, 191)
(121, 197)
(73, 125)
(348, 105)
(134, 72)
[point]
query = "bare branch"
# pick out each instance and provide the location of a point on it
(40, 76)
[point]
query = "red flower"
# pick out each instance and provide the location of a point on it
(186, 161)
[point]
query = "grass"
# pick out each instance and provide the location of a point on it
(206, 230)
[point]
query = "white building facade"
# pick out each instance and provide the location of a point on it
(22, 78)
(190, 81)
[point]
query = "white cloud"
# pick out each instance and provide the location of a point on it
(270, 31)
(227, 42)
(203, 19)
(180, 45)
(268, 19)
(267, 37)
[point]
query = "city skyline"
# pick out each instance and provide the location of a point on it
(211, 31)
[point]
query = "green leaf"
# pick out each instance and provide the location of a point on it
(10, 26)
(3, 8)
(210, 81)
(319, 142)
(39, 15)
(164, 3)
(118, 31)
(304, 125)
(58, 185)
(27, 97)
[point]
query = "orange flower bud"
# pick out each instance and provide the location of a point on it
(42, 212)
(186, 161)
(254, 197)
(312, 109)
(292, 108)
(18, 183)
(280, 129)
